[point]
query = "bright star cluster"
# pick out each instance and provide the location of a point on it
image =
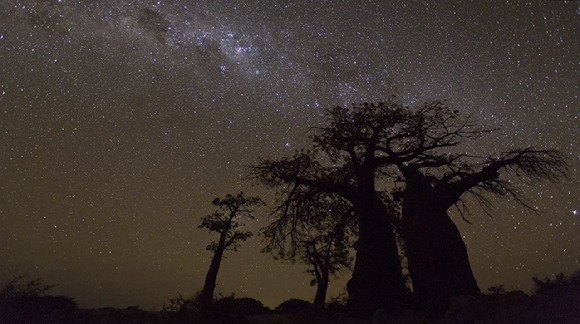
(121, 121)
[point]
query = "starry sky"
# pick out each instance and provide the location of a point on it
(121, 120)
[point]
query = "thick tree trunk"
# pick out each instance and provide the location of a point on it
(206, 296)
(438, 262)
(321, 289)
(377, 280)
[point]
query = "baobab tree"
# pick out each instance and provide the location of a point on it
(317, 229)
(417, 148)
(435, 179)
(413, 152)
(349, 169)
(225, 220)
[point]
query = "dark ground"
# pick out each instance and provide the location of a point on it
(555, 301)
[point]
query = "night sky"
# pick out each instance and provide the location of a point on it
(120, 121)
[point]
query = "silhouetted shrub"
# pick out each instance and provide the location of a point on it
(25, 301)
(227, 310)
(547, 283)
(496, 290)
(223, 310)
(293, 306)
(181, 304)
(244, 306)
(338, 304)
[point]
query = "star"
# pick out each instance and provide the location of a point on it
(121, 123)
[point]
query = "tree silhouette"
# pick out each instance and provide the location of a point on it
(349, 169)
(416, 148)
(317, 229)
(420, 148)
(225, 220)
(387, 145)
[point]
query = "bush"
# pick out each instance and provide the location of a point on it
(243, 306)
(180, 304)
(496, 290)
(223, 310)
(25, 301)
(547, 283)
(293, 306)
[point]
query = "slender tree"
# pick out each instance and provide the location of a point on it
(226, 221)
(317, 229)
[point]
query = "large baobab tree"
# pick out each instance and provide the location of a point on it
(225, 220)
(415, 152)
(349, 169)
(418, 149)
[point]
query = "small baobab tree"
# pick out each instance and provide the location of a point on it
(318, 229)
(226, 221)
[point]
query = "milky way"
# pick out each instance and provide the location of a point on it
(122, 120)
